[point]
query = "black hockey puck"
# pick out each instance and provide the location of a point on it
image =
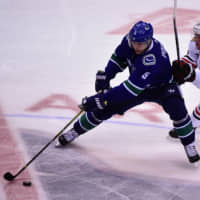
(27, 183)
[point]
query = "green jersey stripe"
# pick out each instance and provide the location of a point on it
(119, 63)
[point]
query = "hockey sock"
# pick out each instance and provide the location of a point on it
(185, 130)
(86, 122)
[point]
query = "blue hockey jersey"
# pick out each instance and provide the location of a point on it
(148, 70)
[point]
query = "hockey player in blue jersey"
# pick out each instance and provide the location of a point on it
(150, 80)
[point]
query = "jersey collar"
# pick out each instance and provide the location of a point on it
(151, 46)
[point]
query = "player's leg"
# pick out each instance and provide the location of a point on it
(175, 107)
(90, 120)
(195, 117)
(86, 122)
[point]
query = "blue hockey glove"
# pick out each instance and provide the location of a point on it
(102, 83)
(182, 72)
(93, 103)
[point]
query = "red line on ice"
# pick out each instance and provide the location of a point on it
(11, 160)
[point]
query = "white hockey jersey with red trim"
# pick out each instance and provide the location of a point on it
(193, 57)
(193, 54)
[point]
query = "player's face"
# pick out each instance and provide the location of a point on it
(140, 47)
(197, 40)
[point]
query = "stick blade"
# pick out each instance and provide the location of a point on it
(8, 176)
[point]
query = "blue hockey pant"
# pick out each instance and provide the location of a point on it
(168, 96)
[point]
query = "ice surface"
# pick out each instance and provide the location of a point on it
(50, 52)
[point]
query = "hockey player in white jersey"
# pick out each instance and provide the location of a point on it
(191, 64)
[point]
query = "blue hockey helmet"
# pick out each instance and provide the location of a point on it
(141, 32)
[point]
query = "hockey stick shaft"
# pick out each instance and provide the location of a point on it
(175, 30)
(58, 134)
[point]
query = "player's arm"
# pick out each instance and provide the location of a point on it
(196, 81)
(117, 63)
(127, 90)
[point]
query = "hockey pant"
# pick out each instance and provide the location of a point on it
(168, 96)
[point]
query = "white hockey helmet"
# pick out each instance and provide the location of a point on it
(196, 29)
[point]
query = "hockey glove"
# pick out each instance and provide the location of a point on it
(182, 72)
(102, 83)
(96, 102)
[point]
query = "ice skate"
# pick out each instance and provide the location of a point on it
(66, 138)
(192, 153)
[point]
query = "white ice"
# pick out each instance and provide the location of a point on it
(55, 47)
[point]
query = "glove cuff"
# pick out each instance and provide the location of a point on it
(96, 102)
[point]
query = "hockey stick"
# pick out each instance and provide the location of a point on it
(175, 31)
(177, 41)
(9, 177)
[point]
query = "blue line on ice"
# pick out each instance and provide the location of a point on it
(126, 123)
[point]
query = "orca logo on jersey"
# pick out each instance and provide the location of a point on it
(149, 59)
